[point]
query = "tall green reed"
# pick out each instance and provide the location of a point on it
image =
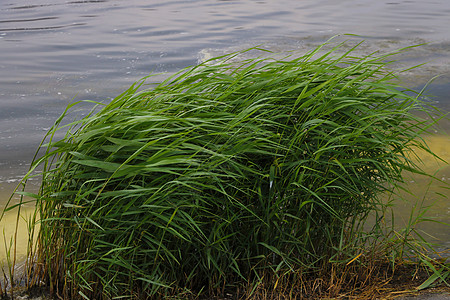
(222, 173)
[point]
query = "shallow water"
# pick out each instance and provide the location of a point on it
(428, 194)
(54, 52)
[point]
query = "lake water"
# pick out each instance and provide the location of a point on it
(55, 51)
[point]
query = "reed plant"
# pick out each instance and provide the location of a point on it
(224, 174)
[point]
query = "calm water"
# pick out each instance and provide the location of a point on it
(53, 51)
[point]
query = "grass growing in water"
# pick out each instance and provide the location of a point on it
(225, 175)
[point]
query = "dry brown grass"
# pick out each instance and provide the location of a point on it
(378, 280)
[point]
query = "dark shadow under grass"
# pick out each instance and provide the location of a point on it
(253, 176)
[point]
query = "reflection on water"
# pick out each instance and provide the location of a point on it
(9, 244)
(8, 230)
(429, 194)
(9, 221)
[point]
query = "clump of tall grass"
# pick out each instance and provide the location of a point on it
(222, 174)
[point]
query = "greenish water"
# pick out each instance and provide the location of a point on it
(429, 194)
